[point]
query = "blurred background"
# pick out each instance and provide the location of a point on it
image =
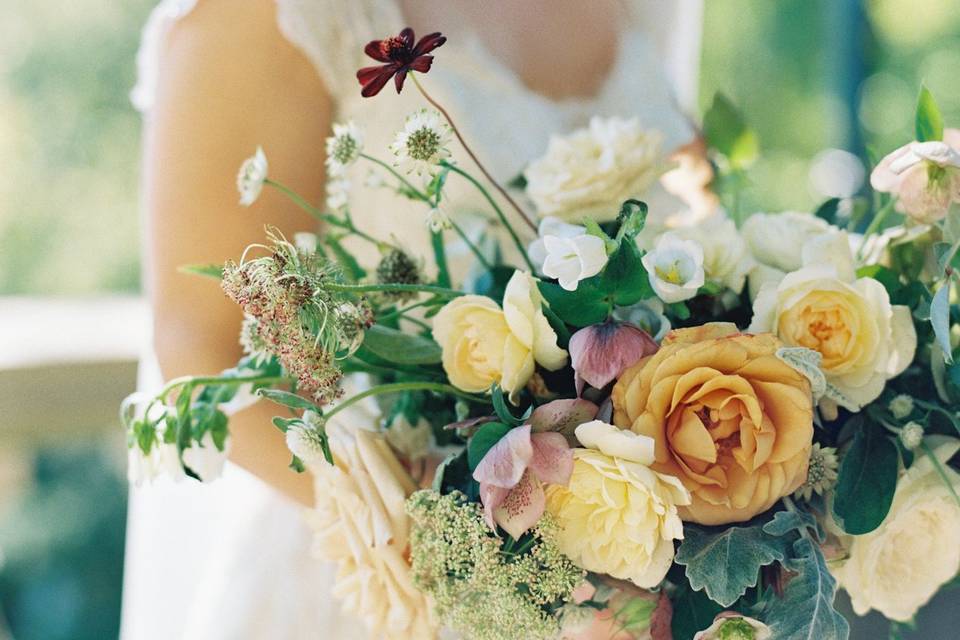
(71, 320)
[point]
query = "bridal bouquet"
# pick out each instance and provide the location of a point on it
(632, 424)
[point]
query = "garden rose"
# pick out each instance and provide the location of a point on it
(864, 340)
(899, 566)
(776, 239)
(616, 515)
(484, 344)
(731, 420)
(589, 173)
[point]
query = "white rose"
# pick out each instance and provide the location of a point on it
(776, 239)
(864, 340)
(675, 267)
(590, 172)
(726, 257)
(900, 565)
(567, 252)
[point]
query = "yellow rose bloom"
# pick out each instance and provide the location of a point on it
(864, 340)
(617, 516)
(731, 420)
(484, 344)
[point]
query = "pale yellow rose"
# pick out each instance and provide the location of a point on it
(484, 344)
(900, 565)
(864, 340)
(616, 515)
(361, 524)
(731, 420)
(590, 172)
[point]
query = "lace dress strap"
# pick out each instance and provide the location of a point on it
(330, 33)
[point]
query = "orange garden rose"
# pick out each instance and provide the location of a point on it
(731, 420)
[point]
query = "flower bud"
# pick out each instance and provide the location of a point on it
(901, 406)
(911, 435)
(398, 267)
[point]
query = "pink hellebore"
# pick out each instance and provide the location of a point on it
(925, 176)
(511, 476)
(600, 353)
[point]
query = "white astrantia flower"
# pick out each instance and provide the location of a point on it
(901, 406)
(422, 143)
(675, 268)
(911, 435)
(438, 220)
(822, 472)
(343, 147)
(338, 193)
(726, 256)
(205, 459)
(250, 178)
(305, 440)
(567, 252)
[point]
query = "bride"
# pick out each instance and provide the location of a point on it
(231, 559)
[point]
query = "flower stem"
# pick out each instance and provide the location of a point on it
(396, 174)
(394, 288)
(470, 153)
(320, 215)
(399, 387)
(473, 248)
(193, 381)
(493, 203)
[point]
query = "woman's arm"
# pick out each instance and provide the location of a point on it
(229, 81)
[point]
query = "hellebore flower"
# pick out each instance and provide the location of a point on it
(399, 55)
(511, 476)
(601, 352)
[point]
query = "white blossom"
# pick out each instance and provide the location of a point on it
(305, 439)
(567, 252)
(675, 268)
(250, 178)
(422, 143)
(205, 459)
(438, 220)
(343, 147)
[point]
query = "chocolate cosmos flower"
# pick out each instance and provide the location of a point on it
(399, 56)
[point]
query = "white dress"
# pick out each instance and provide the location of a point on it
(231, 560)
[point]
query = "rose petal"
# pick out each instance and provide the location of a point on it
(505, 462)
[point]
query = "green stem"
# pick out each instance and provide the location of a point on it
(939, 467)
(399, 387)
(193, 381)
(493, 203)
(400, 312)
(440, 258)
(472, 155)
(393, 288)
(879, 218)
(473, 248)
(320, 215)
(396, 174)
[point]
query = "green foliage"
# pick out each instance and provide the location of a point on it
(483, 440)
(693, 611)
(208, 270)
(585, 306)
(502, 410)
(867, 480)
(727, 132)
(401, 348)
(625, 280)
(287, 399)
(929, 122)
(940, 320)
(725, 563)
(351, 268)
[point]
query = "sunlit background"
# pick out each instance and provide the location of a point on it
(801, 70)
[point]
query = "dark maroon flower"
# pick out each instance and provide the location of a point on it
(399, 56)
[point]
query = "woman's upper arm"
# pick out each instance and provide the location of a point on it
(229, 81)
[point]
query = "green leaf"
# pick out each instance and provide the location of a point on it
(884, 275)
(286, 399)
(401, 348)
(726, 563)
(483, 440)
(727, 132)
(625, 279)
(940, 319)
(500, 407)
(585, 306)
(929, 121)
(678, 310)
(866, 482)
(284, 424)
(785, 522)
(207, 270)
(828, 210)
(693, 611)
(297, 465)
(631, 220)
(806, 611)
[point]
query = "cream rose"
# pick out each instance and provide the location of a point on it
(616, 515)
(484, 344)
(361, 524)
(590, 172)
(776, 239)
(864, 340)
(899, 566)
